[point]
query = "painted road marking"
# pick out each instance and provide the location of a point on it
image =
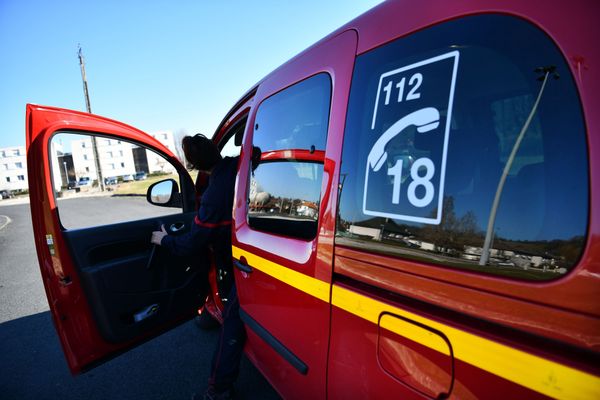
(7, 221)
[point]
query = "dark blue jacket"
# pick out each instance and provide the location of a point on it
(212, 225)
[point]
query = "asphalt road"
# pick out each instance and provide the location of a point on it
(32, 365)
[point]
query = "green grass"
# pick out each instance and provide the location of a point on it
(141, 187)
(138, 187)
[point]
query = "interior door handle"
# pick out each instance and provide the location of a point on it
(176, 227)
(242, 267)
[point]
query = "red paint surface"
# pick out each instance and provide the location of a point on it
(414, 365)
(355, 371)
(566, 310)
(298, 320)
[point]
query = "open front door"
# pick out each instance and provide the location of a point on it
(107, 288)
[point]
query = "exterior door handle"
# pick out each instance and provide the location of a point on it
(242, 267)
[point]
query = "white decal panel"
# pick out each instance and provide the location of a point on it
(405, 169)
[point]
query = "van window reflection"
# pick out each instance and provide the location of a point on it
(284, 198)
(541, 222)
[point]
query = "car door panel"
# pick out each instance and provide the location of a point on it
(120, 284)
(96, 278)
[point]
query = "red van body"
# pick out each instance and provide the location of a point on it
(458, 258)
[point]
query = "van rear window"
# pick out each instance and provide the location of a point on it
(449, 157)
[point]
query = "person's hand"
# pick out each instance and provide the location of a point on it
(157, 236)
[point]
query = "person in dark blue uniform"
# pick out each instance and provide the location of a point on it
(211, 229)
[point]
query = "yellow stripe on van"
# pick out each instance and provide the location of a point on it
(305, 283)
(533, 372)
(536, 373)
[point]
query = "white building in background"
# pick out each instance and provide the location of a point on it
(375, 233)
(13, 168)
(56, 149)
(116, 157)
(157, 163)
(119, 158)
(167, 138)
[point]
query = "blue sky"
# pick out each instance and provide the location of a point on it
(154, 65)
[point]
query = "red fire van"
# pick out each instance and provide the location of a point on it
(423, 222)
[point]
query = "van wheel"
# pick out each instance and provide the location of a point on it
(206, 322)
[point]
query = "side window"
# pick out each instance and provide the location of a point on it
(232, 145)
(127, 170)
(291, 132)
(231, 149)
(448, 158)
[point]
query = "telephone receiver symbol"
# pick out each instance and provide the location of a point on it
(425, 119)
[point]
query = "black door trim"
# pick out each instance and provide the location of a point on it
(274, 343)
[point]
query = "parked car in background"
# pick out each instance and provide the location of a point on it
(6, 194)
(127, 178)
(140, 176)
(84, 181)
(110, 180)
(72, 184)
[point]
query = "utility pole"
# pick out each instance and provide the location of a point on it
(66, 174)
(89, 110)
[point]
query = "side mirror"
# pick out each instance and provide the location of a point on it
(164, 193)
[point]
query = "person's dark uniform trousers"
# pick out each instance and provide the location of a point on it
(212, 228)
